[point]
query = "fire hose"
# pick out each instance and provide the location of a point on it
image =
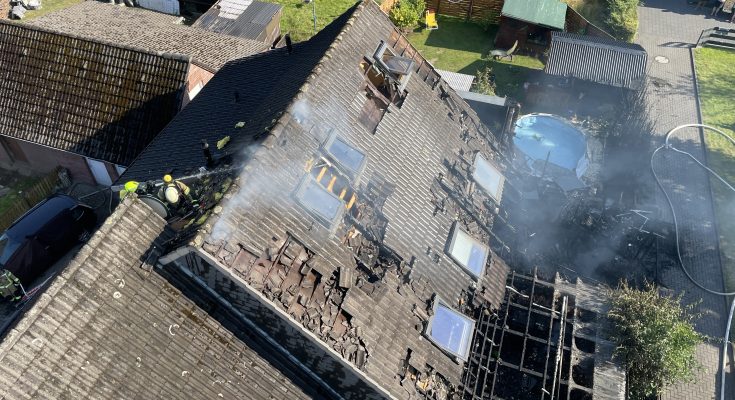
(669, 146)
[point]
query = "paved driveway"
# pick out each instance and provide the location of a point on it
(668, 28)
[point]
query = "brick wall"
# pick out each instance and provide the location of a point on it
(45, 159)
(289, 334)
(197, 76)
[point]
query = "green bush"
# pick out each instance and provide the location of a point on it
(622, 19)
(485, 82)
(655, 338)
(406, 14)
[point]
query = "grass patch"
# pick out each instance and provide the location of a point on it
(717, 89)
(297, 18)
(49, 6)
(16, 183)
(459, 46)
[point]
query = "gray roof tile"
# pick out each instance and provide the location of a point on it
(100, 100)
(109, 327)
(151, 30)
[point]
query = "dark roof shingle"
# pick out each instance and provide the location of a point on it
(246, 19)
(87, 97)
(600, 60)
(151, 30)
(110, 327)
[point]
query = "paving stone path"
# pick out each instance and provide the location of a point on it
(669, 28)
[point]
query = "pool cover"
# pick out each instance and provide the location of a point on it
(539, 136)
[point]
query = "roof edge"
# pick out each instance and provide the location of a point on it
(168, 55)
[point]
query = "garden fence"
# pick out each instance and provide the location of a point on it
(29, 198)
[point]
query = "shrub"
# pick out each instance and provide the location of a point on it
(485, 81)
(623, 19)
(655, 338)
(407, 13)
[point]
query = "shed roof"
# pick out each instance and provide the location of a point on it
(549, 13)
(600, 60)
(110, 327)
(457, 81)
(135, 26)
(242, 18)
(100, 100)
(414, 189)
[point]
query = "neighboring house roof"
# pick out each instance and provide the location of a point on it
(134, 26)
(415, 190)
(110, 327)
(242, 18)
(457, 81)
(88, 97)
(601, 60)
(549, 13)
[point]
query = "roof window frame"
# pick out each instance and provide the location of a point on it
(455, 235)
(353, 173)
(468, 330)
(497, 196)
(298, 195)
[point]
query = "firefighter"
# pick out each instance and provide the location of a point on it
(130, 187)
(173, 190)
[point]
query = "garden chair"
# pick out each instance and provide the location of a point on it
(431, 23)
(498, 54)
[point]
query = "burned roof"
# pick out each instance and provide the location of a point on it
(352, 190)
(596, 59)
(109, 326)
(96, 99)
(241, 18)
(134, 26)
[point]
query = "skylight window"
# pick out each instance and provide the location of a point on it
(346, 155)
(450, 330)
(488, 177)
(322, 203)
(399, 68)
(468, 252)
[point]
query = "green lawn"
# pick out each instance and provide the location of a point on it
(717, 91)
(49, 6)
(463, 47)
(297, 18)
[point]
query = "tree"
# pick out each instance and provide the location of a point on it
(655, 338)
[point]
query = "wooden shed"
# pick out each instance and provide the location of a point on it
(530, 22)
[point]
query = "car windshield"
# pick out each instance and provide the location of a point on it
(8, 246)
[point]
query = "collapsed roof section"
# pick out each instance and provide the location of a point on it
(547, 341)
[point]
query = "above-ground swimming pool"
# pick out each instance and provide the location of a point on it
(538, 136)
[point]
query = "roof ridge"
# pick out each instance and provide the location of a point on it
(169, 55)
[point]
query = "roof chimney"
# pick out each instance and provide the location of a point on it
(207, 153)
(289, 45)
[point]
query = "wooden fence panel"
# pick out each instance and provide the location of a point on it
(30, 198)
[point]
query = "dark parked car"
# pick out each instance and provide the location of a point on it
(42, 236)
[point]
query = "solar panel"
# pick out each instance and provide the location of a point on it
(468, 252)
(488, 177)
(450, 330)
(319, 201)
(346, 155)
